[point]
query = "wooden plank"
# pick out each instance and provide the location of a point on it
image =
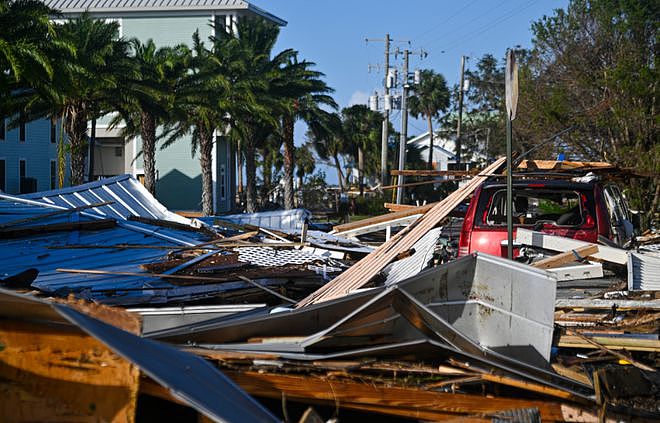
(363, 271)
(563, 165)
(427, 172)
(71, 368)
(397, 401)
(566, 257)
(384, 218)
(558, 243)
(93, 225)
(610, 343)
(603, 304)
(598, 343)
(393, 207)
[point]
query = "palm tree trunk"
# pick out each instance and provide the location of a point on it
(340, 175)
(287, 129)
(148, 134)
(361, 171)
(206, 162)
(77, 131)
(267, 173)
(430, 141)
(250, 177)
(61, 155)
(300, 191)
(239, 164)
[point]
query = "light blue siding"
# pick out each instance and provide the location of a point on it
(167, 31)
(37, 151)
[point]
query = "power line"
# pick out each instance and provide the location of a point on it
(462, 40)
(444, 21)
(488, 12)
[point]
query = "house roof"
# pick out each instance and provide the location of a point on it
(423, 140)
(134, 6)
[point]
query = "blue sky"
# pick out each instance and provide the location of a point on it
(332, 34)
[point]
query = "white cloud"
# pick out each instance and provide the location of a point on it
(358, 97)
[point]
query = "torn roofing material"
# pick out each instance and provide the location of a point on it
(188, 377)
(128, 197)
(49, 251)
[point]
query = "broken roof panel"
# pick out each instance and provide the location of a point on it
(188, 377)
(128, 196)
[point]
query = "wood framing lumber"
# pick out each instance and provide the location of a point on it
(363, 271)
(558, 243)
(76, 376)
(610, 344)
(598, 344)
(566, 257)
(397, 401)
(393, 207)
(427, 172)
(605, 304)
(563, 165)
(411, 211)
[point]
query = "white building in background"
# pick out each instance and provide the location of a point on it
(442, 149)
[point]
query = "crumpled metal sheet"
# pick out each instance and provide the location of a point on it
(187, 376)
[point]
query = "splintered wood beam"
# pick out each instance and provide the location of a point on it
(364, 270)
(396, 401)
(566, 257)
(93, 225)
(76, 376)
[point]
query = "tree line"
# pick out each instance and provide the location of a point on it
(233, 83)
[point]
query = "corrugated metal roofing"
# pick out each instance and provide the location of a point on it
(128, 196)
(131, 6)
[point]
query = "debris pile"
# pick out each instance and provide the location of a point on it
(121, 295)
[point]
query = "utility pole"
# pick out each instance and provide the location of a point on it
(404, 128)
(460, 113)
(386, 118)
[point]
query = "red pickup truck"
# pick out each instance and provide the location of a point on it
(588, 211)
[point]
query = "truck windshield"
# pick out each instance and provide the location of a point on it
(534, 206)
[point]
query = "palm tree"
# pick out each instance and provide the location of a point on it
(305, 164)
(362, 129)
(26, 41)
(431, 97)
(200, 107)
(146, 98)
(330, 145)
(303, 97)
(257, 79)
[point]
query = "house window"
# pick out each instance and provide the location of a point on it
(53, 174)
(53, 132)
(22, 168)
(2, 129)
(21, 129)
(119, 151)
(2, 175)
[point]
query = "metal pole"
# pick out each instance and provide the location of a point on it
(460, 113)
(386, 119)
(509, 192)
(404, 128)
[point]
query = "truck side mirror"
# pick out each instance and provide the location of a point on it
(636, 218)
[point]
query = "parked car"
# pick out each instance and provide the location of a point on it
(583, 208)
